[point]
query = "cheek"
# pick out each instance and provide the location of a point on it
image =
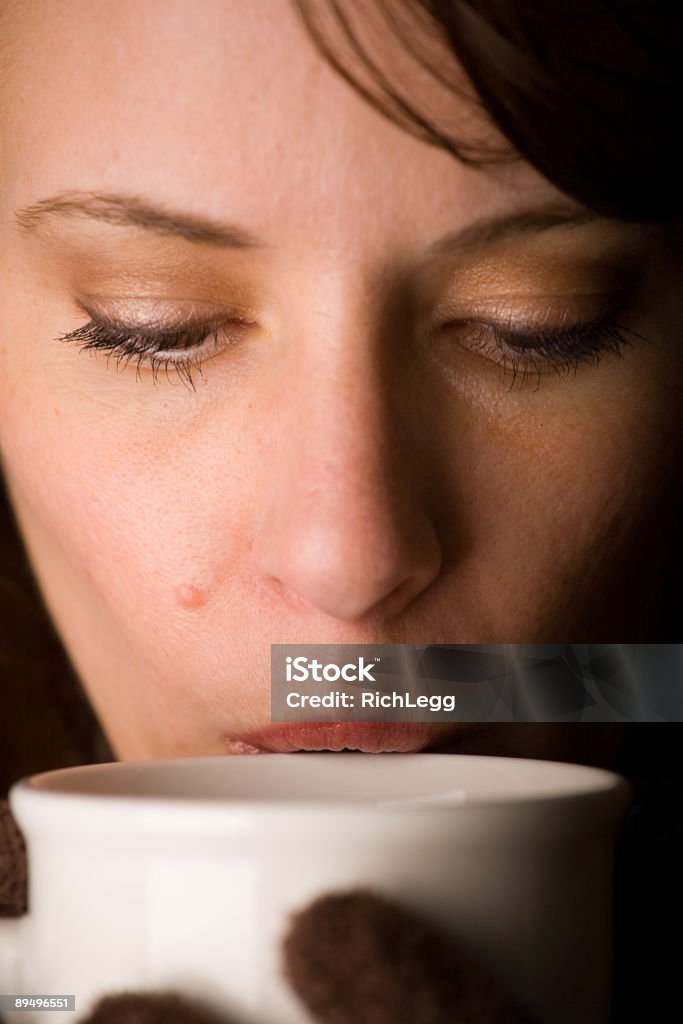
(149, 526)
(560, 487)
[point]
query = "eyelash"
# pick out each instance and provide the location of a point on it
(524, 354)
(528, 355)
(156, 348)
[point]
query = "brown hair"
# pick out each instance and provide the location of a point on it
(587, 91)
(45, 721)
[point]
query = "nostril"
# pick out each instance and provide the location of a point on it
(343, 573)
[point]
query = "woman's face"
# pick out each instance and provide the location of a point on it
(427, 403)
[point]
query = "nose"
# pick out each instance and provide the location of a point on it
(346, 528)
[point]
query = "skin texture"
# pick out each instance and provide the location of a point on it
(348, 469)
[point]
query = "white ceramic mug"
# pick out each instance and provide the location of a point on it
(182, 874)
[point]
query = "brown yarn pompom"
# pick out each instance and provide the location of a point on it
(356, 957)
(150, 1008)
(13, 870)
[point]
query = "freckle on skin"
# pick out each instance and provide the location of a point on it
(188, 596)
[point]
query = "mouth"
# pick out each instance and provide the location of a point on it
(366, 737)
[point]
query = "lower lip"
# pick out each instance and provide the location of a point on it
(370, 738)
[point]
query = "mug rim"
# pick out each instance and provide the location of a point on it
(592, 783)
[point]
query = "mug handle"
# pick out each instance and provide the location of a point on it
(9, 954)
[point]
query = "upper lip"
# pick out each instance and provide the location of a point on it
(370, 737)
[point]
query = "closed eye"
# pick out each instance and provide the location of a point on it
(182, 348)
(530, 353)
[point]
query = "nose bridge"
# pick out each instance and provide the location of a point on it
(343, 426)
(344, 528)
(338, 409)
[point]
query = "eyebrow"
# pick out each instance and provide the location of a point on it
(488, 230)
(135, 212)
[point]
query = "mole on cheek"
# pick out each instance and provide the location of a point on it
(188, 596)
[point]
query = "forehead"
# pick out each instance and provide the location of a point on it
(224, 108)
